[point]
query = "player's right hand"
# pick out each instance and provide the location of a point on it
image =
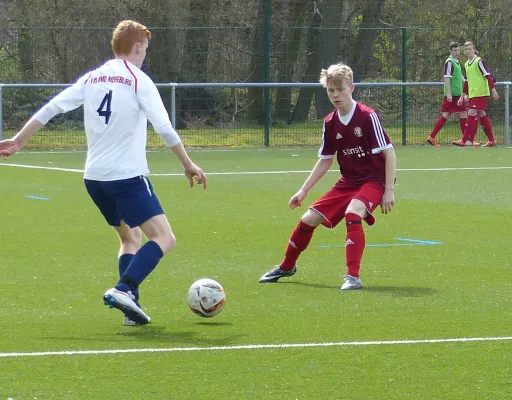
(195, 175)
(8, 147)
(449, 98)
(297, 199)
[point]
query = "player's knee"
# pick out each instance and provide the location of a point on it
(130, 240)
(166, 241)
(356, 207)
(312, 218)
(136, 236)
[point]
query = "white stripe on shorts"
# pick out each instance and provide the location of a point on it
(147, 186)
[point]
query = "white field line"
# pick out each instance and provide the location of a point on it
(264, 172)
(190, 150)
(254, 347)
(164, 150)
(41, 167)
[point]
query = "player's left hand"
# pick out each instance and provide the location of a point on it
(8, 147)
(297, 199)
(387, 202)
(495, 95)
(195, 175)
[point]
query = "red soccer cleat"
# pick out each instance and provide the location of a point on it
(490, 144)
(459, 143)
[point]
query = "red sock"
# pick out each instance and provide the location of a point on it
(438, 126)
(462, 124)
(486, 125)
(471, 128)
(354, 246)
(301, 236)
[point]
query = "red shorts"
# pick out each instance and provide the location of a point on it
(478, 103)
(333, 205)
(452, 107)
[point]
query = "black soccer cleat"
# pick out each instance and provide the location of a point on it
(276, 274)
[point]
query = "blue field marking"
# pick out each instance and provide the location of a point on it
(418, 241)
(409, 242)
(37, 197)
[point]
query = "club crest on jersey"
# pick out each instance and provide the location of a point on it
(358, 132)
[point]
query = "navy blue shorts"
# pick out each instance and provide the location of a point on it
(130, 200)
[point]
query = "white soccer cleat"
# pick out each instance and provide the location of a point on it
(351, 283)
(124, 301)
(128, 322)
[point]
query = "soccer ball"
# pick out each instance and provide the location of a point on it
(206, 297)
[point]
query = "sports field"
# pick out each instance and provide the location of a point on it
(434, 320)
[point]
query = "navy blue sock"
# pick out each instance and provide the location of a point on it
(142, 264)
(124, 261)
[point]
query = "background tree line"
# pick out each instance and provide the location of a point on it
(54, 41)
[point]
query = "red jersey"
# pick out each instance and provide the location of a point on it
(357, 139)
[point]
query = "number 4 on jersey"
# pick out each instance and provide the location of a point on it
(104, 108)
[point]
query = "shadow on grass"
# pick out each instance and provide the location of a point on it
(205, 323)
(396, 291)
(402, 291)
(312, 285)
(160, 334)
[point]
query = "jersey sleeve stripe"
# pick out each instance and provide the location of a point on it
(321, 149)
(377, 128)
(481, 65)
(376, 151)
(131, 72)
(449, 70)
(87, 78)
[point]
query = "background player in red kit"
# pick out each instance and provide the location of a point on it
(453, 83)
(354, 134)
(479, 85)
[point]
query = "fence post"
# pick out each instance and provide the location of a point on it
(404, 88)
(507, 113)
(1, 116)
(173, 105)
(266, 89)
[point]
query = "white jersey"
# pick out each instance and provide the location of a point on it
(118, 99)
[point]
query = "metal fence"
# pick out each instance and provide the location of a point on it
(250, 53)
(216, 114)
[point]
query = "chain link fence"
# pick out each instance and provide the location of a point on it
(408, 111)
(238, 54)
(260, 53)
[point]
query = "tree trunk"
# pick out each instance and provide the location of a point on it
(194, 66)
(25, 43)
(255, 110)
(195, 101)
(362, 49)
(60, 53)
(26, 54)
(301, 110)
(287, 60)
(329, 39)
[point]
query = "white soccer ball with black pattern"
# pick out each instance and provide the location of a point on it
(206, 297)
